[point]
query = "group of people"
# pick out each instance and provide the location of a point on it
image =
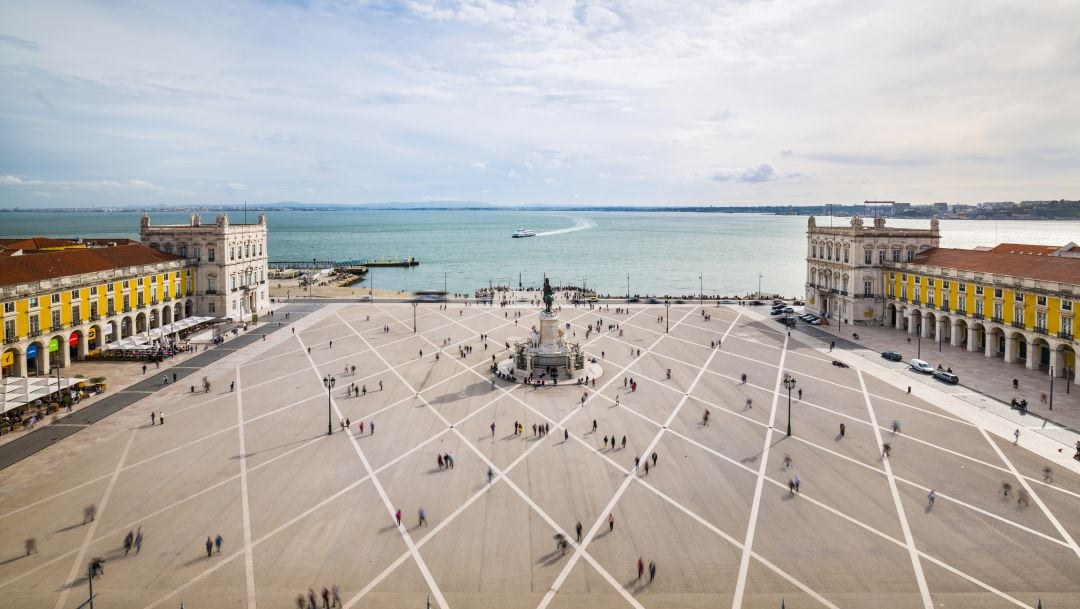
(330, 598)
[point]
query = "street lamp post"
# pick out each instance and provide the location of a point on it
(628, 288)
(311, 278)
(414, 317)
(667, 316)
(789, 384)
(918, 332)
(701, 289)
(1051, 386)
(328, 382)
(759, 276)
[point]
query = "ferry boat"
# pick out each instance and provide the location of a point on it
(523, 232)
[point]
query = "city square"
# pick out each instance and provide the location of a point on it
(710, 504)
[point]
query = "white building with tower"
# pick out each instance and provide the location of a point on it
(230, 262)
(845, 266)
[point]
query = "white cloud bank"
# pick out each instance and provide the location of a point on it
(606, 101)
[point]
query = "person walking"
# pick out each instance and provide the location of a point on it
(490, 475)
(164, 379)
(161, 417)
(129, 541)
(652, 571)
(611, 522)
(640, 568)
(843, 430)
(930, 499)
(594, 425)
(654, 459)
(372, 427)
(138, 540)
(578, 529)
(335, 596)
(797, 483)
(1016, 437)
(397, 517)
(565, 435)
(493, 429)
(422, 518)
(325, 592)
(209, 547)
(217, 542)
(153, 418)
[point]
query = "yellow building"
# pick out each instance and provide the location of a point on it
(64, 303)
(1013, 301)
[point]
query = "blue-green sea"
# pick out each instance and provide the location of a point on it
(662, 253)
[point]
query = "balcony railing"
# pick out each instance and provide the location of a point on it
(33, 333)
(127, 309)
(1017, 324)
(10, 339)
(998, 320)
(978, 316)
(1041, 330)
(945, 307)
(211, 291)
(916, 301)
(95, 317)
(1065, 335)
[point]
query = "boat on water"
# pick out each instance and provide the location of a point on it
(523, 232)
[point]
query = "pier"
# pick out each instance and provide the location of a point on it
(345, 264)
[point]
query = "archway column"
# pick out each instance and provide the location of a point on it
(940, 334)
(1011, 349)
(83, 349)
(1034, 354)
(925, 326)
(912, 323)
(65, 353)
(990, 347)
(1057, 362)
(973, 339)
(957, 334)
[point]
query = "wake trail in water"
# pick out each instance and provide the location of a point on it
(579, 224)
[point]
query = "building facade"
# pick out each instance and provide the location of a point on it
(845, 267)
(1013, 301)
(230, 261)
(61, 305)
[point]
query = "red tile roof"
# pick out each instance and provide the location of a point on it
(1024, 248)
(1042, 267)
(50, 265)
(36, 243)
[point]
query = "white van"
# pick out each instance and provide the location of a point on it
(920, 366)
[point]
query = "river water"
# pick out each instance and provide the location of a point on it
(661, 253)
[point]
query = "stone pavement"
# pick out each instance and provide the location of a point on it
(984, 382)
(301, 509)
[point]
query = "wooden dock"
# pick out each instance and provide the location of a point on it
(344, 264)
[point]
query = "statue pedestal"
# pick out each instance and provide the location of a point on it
(549, 330)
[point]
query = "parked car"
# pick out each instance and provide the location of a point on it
(892, 356)
(798, 303)
(946, 377)
(788, 310)
(815, 321)
(919, 365)
(776, 312)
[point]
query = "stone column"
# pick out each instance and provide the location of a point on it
(973, 339)
(64, 354)
(940, 335)
(84, 345)
(1034, 355)
(1057, 362)
(19, 367)
(990, 347)
(43, 358)
(925, 326)
(957, 335)
(912, 323)
(1011, 347)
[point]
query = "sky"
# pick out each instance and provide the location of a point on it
(630, 102)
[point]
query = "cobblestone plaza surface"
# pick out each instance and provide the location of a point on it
(299, 509)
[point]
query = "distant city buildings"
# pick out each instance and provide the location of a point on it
(1013, 301)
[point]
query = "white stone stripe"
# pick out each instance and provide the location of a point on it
(751, 525)
(909, 540)
(249, 566)
(88, 538)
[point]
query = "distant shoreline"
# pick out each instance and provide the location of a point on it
(1048, 211)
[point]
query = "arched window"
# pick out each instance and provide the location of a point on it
(210, 253)
(846, 254)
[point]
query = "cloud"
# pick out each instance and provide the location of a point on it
(236, 187)
(21, 43)
(370, 101)
(747, 175)
(10, 180)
